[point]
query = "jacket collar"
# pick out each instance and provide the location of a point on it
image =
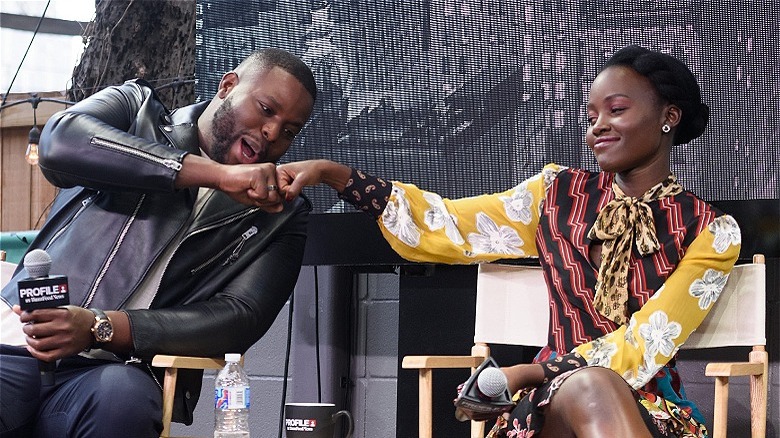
(182, 127)
(182, 131)
(219, 207)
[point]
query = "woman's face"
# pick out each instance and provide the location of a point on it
(625, 117)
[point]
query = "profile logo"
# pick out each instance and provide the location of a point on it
(300, 424)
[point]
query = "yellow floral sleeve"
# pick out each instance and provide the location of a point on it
(657, 330)
(422, 226)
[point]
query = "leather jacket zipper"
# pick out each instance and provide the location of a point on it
(84, 203)
(209, 227)
(125, 229)
(167, 162)
(244, 237)
(239, 244)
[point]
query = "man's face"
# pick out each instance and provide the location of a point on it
(259, 117)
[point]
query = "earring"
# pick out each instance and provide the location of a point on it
(666, 128)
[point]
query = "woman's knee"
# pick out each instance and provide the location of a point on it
(596, 402)
(591, 390)
(595, 380)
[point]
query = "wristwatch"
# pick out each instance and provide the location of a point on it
(102, 330)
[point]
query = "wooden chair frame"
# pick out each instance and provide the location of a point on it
(756, 368)
(172, 364)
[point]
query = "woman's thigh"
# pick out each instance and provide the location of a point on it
(594, 401)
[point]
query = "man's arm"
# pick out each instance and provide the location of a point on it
(236, 316)
(96, 144)
(230, 321)
(88, 145)
(248, 184)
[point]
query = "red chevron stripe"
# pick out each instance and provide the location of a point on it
(578, 209)
(675, 222)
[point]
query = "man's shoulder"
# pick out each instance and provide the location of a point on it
(139, 86)
(143, 91)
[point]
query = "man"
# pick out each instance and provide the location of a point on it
(174, 238)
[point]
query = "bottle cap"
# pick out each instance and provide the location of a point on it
(232, 357)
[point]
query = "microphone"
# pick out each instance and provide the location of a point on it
(485, 395)
(41, 291)
(491, 382)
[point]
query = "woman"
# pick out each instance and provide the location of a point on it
(633, 261)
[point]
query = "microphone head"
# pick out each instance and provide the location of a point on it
(37, 262)
(492, 382)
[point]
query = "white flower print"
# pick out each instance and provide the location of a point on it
(438, 217)
(658, 333)
(550, 174)
(726, 233)
(601, 353)
(518, 206)
(657, 293)
(629, 335)
(643, 374)
(494, 239)
(629, 376)
(708, 288)
(398, 220)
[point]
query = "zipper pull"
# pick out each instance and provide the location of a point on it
(244, 237)
(172, 164)
(249, 233)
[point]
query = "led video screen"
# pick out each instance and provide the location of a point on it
(465, 97)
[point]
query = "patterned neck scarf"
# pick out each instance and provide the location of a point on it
(623, 220)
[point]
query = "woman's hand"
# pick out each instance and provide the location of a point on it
(523, 376)
(293, 177)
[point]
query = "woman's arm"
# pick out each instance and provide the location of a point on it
(656, 331)
(422, 226)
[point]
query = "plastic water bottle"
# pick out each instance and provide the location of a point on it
(231, 400)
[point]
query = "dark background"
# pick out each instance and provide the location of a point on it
(464, 97)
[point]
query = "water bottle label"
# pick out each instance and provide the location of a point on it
(236, 397)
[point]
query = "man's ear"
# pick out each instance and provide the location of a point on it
(227, 83)
(673, 115)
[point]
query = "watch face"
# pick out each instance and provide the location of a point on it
(104, 331)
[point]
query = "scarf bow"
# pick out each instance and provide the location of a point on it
(623, 221)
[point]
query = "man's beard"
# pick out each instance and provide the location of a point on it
(223, 131)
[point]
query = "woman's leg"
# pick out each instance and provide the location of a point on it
(591, 403)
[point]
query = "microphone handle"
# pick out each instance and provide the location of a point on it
(47, 372)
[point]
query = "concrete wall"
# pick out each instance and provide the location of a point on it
(371, 394)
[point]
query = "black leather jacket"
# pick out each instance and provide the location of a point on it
(115, 156)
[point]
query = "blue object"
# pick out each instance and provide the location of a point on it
(15, 244)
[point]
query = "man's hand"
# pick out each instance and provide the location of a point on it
(252, 184)
(57, 332)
